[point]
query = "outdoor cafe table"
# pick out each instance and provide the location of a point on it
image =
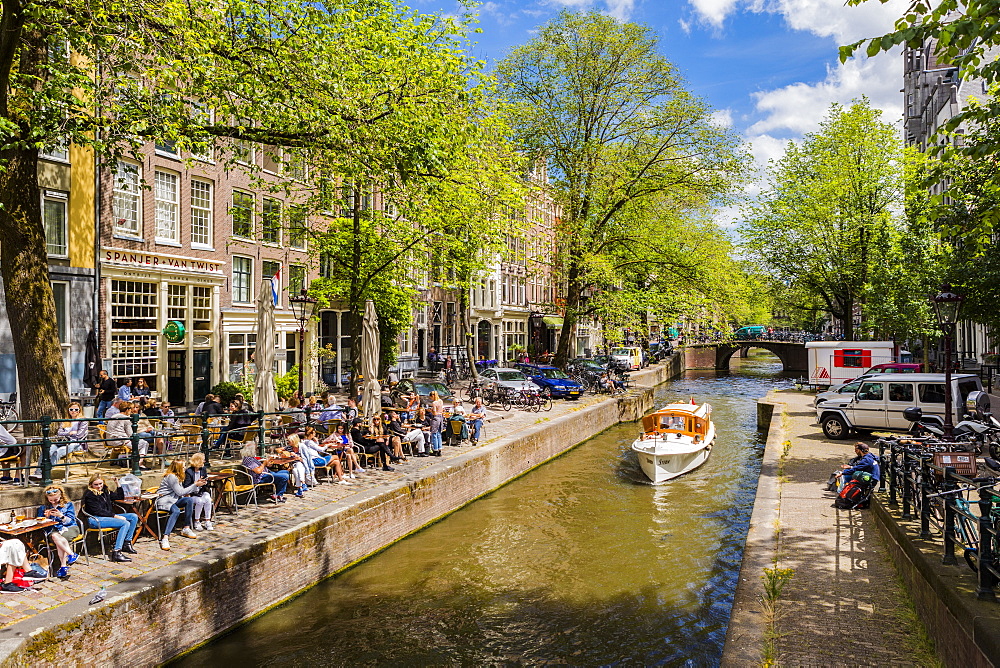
(218, 483)
(142, 506)
(29, 531)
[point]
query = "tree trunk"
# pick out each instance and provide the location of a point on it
(569, 314)
(467, 334)
(354, 303)
(848, 303)
(31, 308)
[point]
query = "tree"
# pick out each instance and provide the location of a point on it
(595, 99)
(370, 79)
(825, 219)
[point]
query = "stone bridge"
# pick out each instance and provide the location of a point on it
(717, 355)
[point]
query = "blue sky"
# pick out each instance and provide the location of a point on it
(769, 67)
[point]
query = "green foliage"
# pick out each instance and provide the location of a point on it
(227, 391)
(634, 156)
(287, 383)
(824, 224)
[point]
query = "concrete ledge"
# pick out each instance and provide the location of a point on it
(152, 618)
(965, 630)
(745, 634)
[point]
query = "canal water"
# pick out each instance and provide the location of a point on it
(578, 562)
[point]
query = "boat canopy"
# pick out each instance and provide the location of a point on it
(684, 419)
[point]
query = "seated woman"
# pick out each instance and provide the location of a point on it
(300, 476)
(98, 505)
(13, 555)
(380, 430)
(340, 443)
(239, 419)
(119, 430)
(141, 389)
(60, 509)
(74, 434)
(319, 455)
(373, 444)
(259, 473)
(172, 496)
(196, 471)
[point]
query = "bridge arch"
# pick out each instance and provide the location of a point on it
(718, 355)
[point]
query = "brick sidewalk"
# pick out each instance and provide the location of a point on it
(844, 604)
(85, 580)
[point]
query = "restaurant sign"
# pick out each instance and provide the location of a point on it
(160, 261)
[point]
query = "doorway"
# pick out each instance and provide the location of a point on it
(176, 376)
(202, 369)
(484, 329)
(421, 345)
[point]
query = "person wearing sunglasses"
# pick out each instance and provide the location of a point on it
(73, 433)
(98, 504)
(60, 509)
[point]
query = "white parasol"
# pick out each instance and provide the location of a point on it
(265, 394)
(371, 391)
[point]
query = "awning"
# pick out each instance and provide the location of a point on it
(552, 321)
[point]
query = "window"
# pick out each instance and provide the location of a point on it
(177, 303)
(296, 279)
(870, 392)
(242, 279)
(166, 191)
(133, 354)
(269, 269)
(270, 221)
(404, 342)
(272, 159)
(242, 213)
(297, 227)
(133, 305)
(203, 149)
(59, 293)
(57, 151)
(931, 394)
(327, 265)
(201, 308)
(326, 195)
(241, 346)
(54, 218)
(127, 199)
(298, 167)
(201, 213)
(901, 392)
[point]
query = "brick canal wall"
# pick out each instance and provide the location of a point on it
(157, 616)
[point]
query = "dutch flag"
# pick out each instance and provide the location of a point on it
(276, 285)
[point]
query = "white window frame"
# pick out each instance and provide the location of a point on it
(264, 276)
(253, 212)
(62, 198)
(204, 213)
(199, 112)
(237, 259)
(168, 208)
(58, 152)
(127, 192)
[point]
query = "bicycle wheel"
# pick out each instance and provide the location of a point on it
(546, 403)
(972, 558)
(504, 402)
(535, 404)
(7, 413)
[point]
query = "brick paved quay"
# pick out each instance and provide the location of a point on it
(280, 522)
(844, 604)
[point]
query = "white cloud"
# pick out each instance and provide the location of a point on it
(723, 117)
(619, 9)
(713, 12)
(685, 26)
(825, 18)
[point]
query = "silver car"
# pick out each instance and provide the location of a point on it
(511, 380)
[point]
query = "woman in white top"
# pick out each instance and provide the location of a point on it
(202, 507)
(119, 430)
(72, 434)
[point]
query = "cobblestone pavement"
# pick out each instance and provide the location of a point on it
(844, 605)
(87, 579)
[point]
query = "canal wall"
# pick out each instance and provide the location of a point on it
(154, 617)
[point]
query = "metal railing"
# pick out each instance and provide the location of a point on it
(935, 495)
(37, 450)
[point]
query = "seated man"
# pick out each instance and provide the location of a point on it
(862, 461)
(475, 420)
(258, 471)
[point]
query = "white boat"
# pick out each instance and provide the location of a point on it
(675, 439)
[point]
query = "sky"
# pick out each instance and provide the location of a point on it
(769, 68)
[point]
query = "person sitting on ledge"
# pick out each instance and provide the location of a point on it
(862, 461)
(259, 473)
(59, 509)
(98, 504)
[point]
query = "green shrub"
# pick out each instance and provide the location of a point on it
(288, 383)
(227, 391)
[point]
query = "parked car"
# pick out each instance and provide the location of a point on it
(627, 358)
(587, 364)
(507, 378)
(880, 400)
(750, 332)
(422, 387)
(558, 384)
(837, 392)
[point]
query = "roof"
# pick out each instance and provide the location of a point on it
(926, 377)
(849, 344)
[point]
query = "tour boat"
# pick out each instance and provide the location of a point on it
(675, 439)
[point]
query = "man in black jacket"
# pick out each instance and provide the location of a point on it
(108, 390)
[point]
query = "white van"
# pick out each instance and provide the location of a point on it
(880, 400)
(627, 358)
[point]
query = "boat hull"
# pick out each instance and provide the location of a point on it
(661, 467)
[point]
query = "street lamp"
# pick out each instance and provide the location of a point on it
(947, 304)
(302, 305)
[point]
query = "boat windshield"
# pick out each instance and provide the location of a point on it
(672, 422)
